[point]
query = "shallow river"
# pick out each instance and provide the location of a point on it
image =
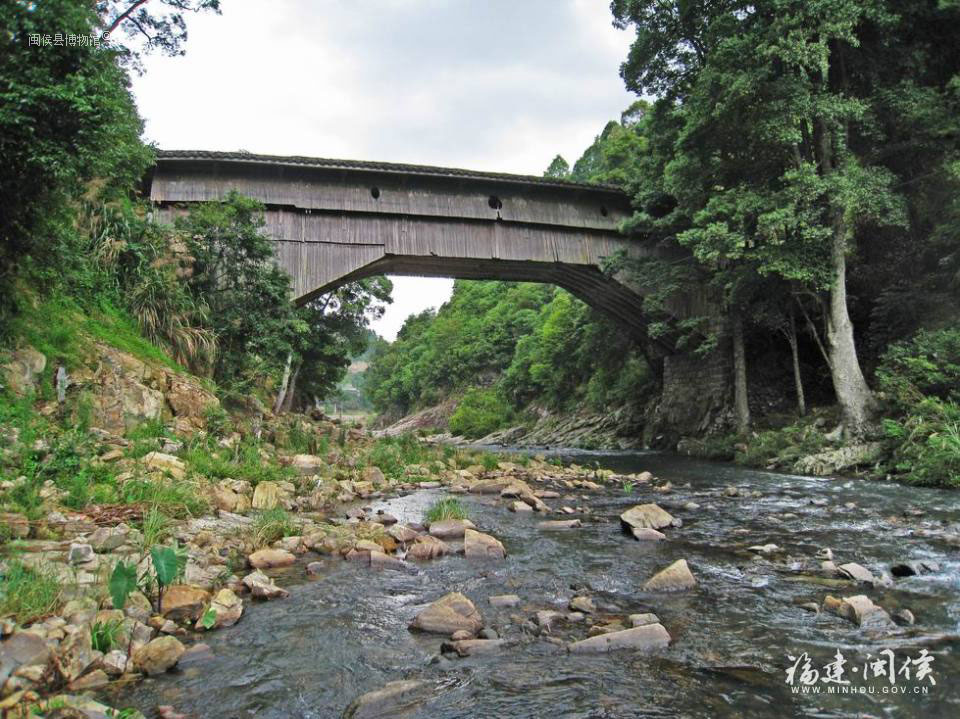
(344, 632)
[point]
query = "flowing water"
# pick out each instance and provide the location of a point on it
(345, 632)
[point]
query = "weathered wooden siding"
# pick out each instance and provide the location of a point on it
(334, 224)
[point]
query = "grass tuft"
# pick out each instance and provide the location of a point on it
(446, 508)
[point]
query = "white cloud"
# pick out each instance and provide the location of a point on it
(495, 85)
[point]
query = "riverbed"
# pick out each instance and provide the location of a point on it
(344, 632)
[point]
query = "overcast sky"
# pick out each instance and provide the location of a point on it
(498, 85)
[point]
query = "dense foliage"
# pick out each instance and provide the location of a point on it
(74, 232)
(521, 343)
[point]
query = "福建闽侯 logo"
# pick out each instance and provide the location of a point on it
(885, 673)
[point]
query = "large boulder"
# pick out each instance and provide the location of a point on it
(450, 528)
(675, 578)
(449, 614)
(427, 547)
(21, 649)
(646, 516)
(183, 602)
(158, 655)
(75, 653)
(643, 638)
(227, 608)
(262, 587)
(269, 495)
(187, 399)
(837, 461)
(482, 546)
(161, 462)
(307, 464)
(267, 558)
(26, 366)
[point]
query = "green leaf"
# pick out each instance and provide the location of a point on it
(168, 563)
(122, 583)
(209, 618)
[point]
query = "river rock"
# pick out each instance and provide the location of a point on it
(227, 608)
(106, 539)
(158, 655)
(470, 647)
(857, 572)
(80, 553)
(183, 601)
(97, 679)
(646, 516)
(307, 464)
(504, 600)
(402, 533)
(489, 486)
(391, 700)
(159, 461)
(451, 528)
(115, 662)
(268, 495)
(519, 505)
(267, 558)
(904, 617)
(449, 614)
(582, 604)
(641, 620)
(382, 560)
(555, 524)
(482, 546)
(21, 649)
(646, 534)
(858, 609)
(836, 461)
(643, 638)
(75, 653)
(427, 547)
(262, 587)
(910, 569)
(676, 577)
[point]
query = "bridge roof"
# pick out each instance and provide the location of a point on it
(381, 167)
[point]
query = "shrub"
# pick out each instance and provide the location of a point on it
(446, 508)
(927, 364)
(480, 412)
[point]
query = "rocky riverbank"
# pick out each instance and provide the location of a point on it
(231, 556)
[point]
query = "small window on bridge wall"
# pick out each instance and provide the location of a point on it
(375, 193)
(495, 202)
(603, 210)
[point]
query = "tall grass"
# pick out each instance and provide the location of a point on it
(446, 508)
(28, 593)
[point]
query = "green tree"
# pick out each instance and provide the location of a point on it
(66, 118)
(769, 131)
(146, 27)
(558, 169)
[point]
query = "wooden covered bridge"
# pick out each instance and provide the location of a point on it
(335, 221)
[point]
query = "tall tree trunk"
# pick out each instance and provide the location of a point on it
(281, 395)
(797, 378)
(741, 402)
(292, 389)
(854, 396)
(856, 401)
